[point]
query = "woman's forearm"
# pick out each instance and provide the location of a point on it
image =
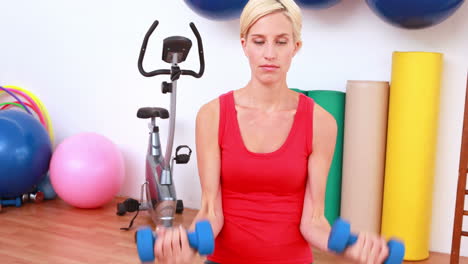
(316, 232)
(213, 215)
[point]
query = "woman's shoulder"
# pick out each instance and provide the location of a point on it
(212, 108)
(323, 116)
(325, 125)
(209, 112)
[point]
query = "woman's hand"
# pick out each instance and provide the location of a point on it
(368, 249)
(172, 246)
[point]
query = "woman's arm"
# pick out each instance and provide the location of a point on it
(209, 165)
(314, 226)
(172, 245)
(369, 248)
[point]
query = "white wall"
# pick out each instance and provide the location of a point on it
(80, 58)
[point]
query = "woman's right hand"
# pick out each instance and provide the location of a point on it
(368, 249)
(172, 246)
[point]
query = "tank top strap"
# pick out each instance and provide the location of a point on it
(225, 114)
(307, 119)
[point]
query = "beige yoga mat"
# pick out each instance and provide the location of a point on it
(364, 154)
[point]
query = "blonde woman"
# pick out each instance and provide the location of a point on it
(264, 152)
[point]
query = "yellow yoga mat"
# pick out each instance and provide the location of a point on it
(365, 135)
(411, 148)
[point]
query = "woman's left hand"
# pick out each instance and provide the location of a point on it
(368, 249)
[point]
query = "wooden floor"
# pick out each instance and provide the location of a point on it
(54, 232)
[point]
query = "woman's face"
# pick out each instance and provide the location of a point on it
(270, 47)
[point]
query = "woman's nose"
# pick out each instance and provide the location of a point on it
(269, 52)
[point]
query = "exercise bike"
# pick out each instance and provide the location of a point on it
(158, 188)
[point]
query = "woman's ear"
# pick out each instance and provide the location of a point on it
(297, 47)
(244, 44)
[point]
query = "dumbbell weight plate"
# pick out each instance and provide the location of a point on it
(204, 238)
(39, 197)
(397, 252)
(145, 244)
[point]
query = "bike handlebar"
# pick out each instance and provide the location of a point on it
(166, 71)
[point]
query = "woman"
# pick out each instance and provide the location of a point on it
(264, 152)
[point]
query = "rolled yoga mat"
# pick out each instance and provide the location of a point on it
(365, 135)
(334, 103)
(411, 149)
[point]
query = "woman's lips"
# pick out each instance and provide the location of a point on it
(269, 67)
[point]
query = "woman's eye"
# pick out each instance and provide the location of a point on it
(279, 42)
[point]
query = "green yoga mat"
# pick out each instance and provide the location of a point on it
(334, 103)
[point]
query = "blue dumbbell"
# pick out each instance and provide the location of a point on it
(13, 202)
(341, 237)
(36, 197)
(201, 240)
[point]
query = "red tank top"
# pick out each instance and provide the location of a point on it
(263, 193)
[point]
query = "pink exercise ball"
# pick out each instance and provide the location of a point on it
(87, 170)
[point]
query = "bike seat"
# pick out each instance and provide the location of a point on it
(150, 112)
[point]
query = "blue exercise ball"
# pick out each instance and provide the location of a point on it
(317, 4)
(217, 9)
(25, 153)
(414, 14)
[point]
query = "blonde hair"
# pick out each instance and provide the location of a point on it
(255, 9)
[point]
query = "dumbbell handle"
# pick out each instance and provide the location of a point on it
(341, 237)
(395, 254)
(201, 240)
(352, 240)
(16, 202)
(148, 246)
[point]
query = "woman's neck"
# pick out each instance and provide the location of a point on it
(271, 97)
